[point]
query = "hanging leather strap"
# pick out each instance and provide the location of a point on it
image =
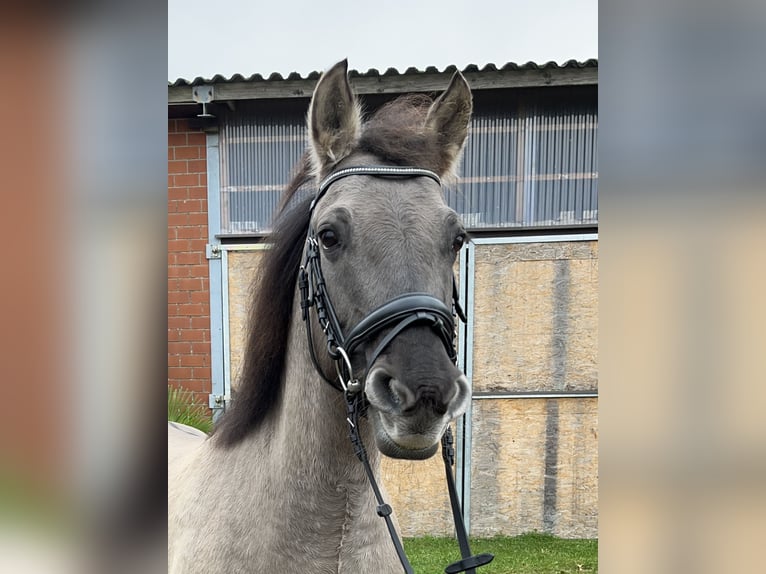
(468, 563)
(353, 407)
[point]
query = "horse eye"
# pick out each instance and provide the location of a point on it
(458, 242)
(328, 238)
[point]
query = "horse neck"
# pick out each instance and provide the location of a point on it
(311, 429)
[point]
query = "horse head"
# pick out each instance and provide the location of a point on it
(381, 238)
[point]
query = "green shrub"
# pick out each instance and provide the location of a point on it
(183, 409)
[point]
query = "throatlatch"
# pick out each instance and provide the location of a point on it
(394, 316)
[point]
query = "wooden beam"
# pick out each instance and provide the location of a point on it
(395, 84)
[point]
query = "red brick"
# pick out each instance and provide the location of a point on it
(201, 372)
(198, 387)
(199, 297)
(197, 166)
(196, 232)
(198, 271)
(179, 297)
(177, 219)
(171, 153)
(177, 166)
(178, 139)
(179, 373)
(197, 219)
(179, 348)
(193, 335)
(203, 179)
(190, 284)
(189, 258)
(187, 152)
(176, 245)
(197, 192)
(197, 138)
(174, 335)
(182, 125)
(201, 322)
(179, 271)
(191, 206)
(193, 309)
(186, 180)
(193, 361)
(177, 193)
(203, 348)
(197, 244)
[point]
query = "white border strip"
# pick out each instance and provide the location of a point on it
(534, 239)
(587, 395)
(226, 311)
(470, 308)
(245, 246)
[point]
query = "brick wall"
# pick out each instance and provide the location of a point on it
(188, 283)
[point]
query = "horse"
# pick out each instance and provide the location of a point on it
(367, 262)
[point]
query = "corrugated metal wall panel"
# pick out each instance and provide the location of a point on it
(528, 163)
(258, 153)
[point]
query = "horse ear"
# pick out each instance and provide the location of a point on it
(450, 116)
(334, 119)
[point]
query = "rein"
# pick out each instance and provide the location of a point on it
(395, 315)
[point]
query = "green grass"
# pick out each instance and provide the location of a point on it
(183, 409)
(532, 553)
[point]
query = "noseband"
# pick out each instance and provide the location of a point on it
(394, 316)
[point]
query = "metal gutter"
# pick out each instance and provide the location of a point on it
(256, 88)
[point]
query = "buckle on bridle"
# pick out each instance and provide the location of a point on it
(350, 386)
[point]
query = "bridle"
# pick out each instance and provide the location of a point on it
(394, 316)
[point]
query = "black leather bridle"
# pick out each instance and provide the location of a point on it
(394, 317)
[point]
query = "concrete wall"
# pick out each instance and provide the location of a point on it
(534, 463)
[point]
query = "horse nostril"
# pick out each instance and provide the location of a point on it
(386, 393)
(394, 396)
(430, 397)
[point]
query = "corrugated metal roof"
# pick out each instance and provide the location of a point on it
(373, 73)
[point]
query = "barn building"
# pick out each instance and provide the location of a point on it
(528, 195)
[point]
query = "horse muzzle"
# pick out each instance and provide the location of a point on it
(413, 397)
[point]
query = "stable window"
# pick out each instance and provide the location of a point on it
(530, 161)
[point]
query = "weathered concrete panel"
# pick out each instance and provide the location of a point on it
(535, 467)
(535, 317)
(417, 491)
(243, 271)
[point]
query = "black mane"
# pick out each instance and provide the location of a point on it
(259, 388)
